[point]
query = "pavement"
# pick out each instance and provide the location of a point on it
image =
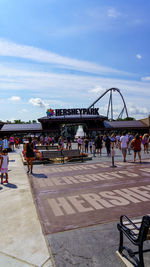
(24, 242)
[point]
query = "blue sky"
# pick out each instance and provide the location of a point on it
(66, 53)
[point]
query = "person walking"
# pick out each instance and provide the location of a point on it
(124, 145)
(1, 144)
(108, 145)
(5, 143)
(61, 143)
(99, 144)
(12, 141)
(117, 140)
(136, 143)
(30, 156)
(68, 145)
(86, 145)
(129, 143)
(79, 142)
(91, 145)
(145, 141)
(113, 140)
(4, 166)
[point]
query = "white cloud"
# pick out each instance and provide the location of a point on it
(97, 90)
(24, 110)
(117, 108)
(61, 90)
(135, 111)
(145, 78)
(39, 55)
(49, 103)
(55, 84)
(138, 56)
(15, 98)
(113, 13)
(59, 86)
(38, 102)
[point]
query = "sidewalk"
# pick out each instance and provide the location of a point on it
(22, 243)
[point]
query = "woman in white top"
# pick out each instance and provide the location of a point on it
(4, 165)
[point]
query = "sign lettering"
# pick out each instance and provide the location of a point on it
(75, 111)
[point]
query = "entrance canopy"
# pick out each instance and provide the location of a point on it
(93, 122)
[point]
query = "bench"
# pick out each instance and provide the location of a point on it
(74, 153)
(137, 232)
(48, 155)
(46, 147)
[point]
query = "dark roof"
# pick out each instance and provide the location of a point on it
(72, 118)
(21, 127)
(37, 127)
(125, 124)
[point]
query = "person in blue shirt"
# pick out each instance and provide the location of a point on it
(5, 143)
(1, 144)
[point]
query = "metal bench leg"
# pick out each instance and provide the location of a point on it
(141, 260)
(121, 242)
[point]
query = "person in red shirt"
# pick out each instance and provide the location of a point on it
(136, 144)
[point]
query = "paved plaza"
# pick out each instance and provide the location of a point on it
(66, 214)
(79, 195)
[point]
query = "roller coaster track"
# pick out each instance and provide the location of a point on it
(110, 103)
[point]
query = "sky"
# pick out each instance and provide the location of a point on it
(66, 53)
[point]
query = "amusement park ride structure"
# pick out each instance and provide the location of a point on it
(110, 103)
(90, 118)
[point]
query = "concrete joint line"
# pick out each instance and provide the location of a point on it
(49, 259)
(13, 257)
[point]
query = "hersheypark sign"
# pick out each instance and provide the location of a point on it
(72, 111)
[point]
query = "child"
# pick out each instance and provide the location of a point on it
(4, 165)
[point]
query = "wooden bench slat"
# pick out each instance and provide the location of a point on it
(46, 147)
(136, 221)
(51, 154)
(139, 220)
(132, 226)
(67, 153)
(138, 224)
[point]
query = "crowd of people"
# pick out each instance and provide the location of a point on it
(125, 142)
(9, 143)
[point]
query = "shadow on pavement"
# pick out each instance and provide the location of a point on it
(39, 175)
(140, 163)
(10, 185)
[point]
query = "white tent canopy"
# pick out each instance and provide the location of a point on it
(80, 132)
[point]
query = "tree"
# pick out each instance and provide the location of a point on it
(126, 119)
(18, 121)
